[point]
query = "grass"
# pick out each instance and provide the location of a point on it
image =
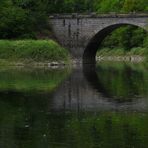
(121, 52)
(35, 50)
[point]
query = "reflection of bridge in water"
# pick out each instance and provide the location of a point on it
(82, 34)
(84, 91)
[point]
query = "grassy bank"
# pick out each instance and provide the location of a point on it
(32, 50)
(119, 54)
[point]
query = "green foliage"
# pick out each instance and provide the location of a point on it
(21, 18)
(100, 6)
(146, 42)
(70, 6)
(111, 52)
(105, 6)
(134, 5)
(121, 52)
(30, 49)
(125, 37)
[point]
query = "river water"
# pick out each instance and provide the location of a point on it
(82, 107)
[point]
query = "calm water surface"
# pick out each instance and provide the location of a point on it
(92, 107)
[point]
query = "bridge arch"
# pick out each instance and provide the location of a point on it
(89, 55)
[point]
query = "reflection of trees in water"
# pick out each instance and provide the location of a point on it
(119, 81)
(25, 110)
(16, 79)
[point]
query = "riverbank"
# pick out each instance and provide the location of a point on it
(32, 52)
(125, 58)
(134, 55)
(51, 54)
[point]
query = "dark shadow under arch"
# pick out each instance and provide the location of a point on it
(92, 47)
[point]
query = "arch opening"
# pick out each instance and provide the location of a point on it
(89, 56)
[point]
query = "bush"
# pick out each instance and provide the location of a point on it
(146, 42)
(37, 50)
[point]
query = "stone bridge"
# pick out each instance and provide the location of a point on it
(82, 34)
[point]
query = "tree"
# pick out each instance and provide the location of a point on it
(22, 18)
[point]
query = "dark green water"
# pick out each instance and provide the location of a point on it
(102, 107)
